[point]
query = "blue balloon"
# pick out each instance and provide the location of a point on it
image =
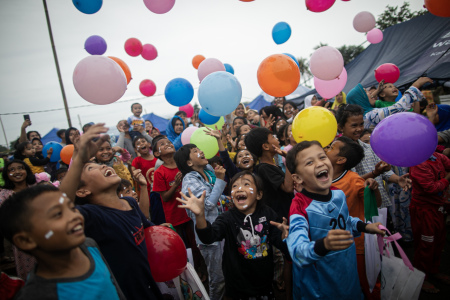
(88, 6)
(57, 147)
(229, 69)
(281, 32)
(179, 92)
(399, 96)
(206, 118)
(95, 45)
(219, 93)
(293, 57)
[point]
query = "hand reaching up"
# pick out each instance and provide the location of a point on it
(196, 205)
(86, 145)
(283, 227)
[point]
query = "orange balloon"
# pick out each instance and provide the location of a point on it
(124, 67)
(197, 60)
(278, 75)
(66, 154)
(440, 8)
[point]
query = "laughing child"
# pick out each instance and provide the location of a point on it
(248, 264)
(321, 230)
(45, 223)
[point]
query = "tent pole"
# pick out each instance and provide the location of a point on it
(4, 133)
(66, 107)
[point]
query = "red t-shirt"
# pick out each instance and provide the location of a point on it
(144, 165)
(164, 179)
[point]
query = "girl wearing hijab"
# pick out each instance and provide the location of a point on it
(340, 98)
(174, 130)
(71, 134)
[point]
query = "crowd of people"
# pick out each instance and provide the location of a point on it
(265, 214)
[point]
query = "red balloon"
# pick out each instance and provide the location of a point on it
(389, 72)
(440, 8)
(147, 87)
(133, 47)
(166, 253)
(319, 5)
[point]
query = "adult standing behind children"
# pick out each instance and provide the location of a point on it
(174, 129)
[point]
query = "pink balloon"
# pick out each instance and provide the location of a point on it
(364, 21)
(375, 36)
(133, 47)
(319, 5)
(208, 66)
(188, 109)
(159, 6)
(99, 80)
(329, 89)
(326, 63)
(147, 87)
(186, 134)
(389, 72)
(149, 52)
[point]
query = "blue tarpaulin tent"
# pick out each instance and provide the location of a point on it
(51, 137)
(157, 121)
(264, 100)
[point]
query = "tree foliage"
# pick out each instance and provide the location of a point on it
(350, 52)
(393, 15)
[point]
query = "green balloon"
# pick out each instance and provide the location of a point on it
(219, 124)
(204, 142)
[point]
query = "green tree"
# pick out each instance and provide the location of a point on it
(350, 52)
(393, 15)
(305, 73)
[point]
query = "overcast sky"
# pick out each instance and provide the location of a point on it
(232, 31)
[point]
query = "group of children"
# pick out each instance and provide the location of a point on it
(291, 215)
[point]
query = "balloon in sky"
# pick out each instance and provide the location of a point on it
(99, 80)
(197, 60)
(278, 75)
(179, 92)
(330, 88)
(440, 8)
(204, 142)
(375, 36)
(95, 45)
(88, 6)
(219, 93)
(149, 52)
(389, 72)
(209, 66)
(319, 5)
(188, 109)
(147, 87)
(364, 21)
(133, 47)
(326, 63)
(281, 32)
(159, 6)
(124, 66)
(314, 123)
(187, 133)
(206, 118)
(229, 68)
(293, 58)
(404, 139)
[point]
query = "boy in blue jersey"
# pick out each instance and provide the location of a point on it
(42, 221)
(321, 230)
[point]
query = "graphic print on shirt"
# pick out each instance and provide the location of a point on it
(253, 240)
(326, 216)
(139, 234)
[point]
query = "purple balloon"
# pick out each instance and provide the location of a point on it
(404, 139)
(95, 45)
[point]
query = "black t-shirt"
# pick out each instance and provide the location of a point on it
(274, 197)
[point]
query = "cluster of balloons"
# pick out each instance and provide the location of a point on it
(88, 6)
(95, 45)
(365, 22)
(188, 109)
(198, 137)
(278, 75)
(210, 65)
(327, 66)
(281, 32)
(59, 152)
(124, 66)
(387, 72)
(134, 47)
(159, 6)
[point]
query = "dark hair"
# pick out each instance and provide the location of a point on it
(255, 139)
(174, 121)
(68, 142)
(9, 185)
(281, 132)
(291, 161)
(237, 152)
(352, 151)
(182, 156)
(136, 138)
(19, 149)
(366, 131)
(274, 126)
(134, 105)
(87, 126)
(238, 130)
(30, 132)
(15, 212)
(37, 139)
(61, 132)
(181, 113)
(292, 103)
(155, 141)
(256, 179)
(271, 110)
(346, 111)
(241, 118)
(61, 170)
(286, 134)
(215, 159)
(124, 183)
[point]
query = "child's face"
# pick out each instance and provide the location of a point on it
(237, 123)
(104, 153)
(339, 98)
(29, 150)
(142, 146)
(389, 90)
(57, 224)
(239, 112)
(250, 115)
(197, 158)
(365, 138)
(178, 128)
(313, 170)
(333, 152)
(37, 145)
(273, 141)
(74, 133)
(128, 192)
(313, 101)
(244, 194)
(164, 147)
(244, 160)
(148, 126)
(98, 178)
(353, 127)
(241, 145)
(290, 111)
(244, 129)
(60, 176)
(17, 173)
(280, 123)
(137, 110)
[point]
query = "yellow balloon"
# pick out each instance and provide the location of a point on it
(314, 123)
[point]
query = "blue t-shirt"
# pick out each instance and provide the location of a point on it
(98, 283)
(120, 236)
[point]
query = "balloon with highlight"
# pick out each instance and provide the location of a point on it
(66, 154)
(57, 147)
(389, 72)
(204, 142)
(159, 6)
(147, 87)
(375, 36)
(88, 6)
(281, 33)
(293, 58)
(330, 88)
(149, 52)
(208, 66)
(133, 47)
(278, 75)
(206, 118)
(319, 5)
(364, 21)
(326, 63)
(197, 60)
(95, 45)
(188, 109)
(179, 92)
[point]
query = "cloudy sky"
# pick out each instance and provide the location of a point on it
(232, 31)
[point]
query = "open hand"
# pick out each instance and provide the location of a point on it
(269, 122)
(279, 151)
(338, 239)
(49, 152)
(86, 145)
(283, 227)
(214, 133)
(196, 205)
(421, 81)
